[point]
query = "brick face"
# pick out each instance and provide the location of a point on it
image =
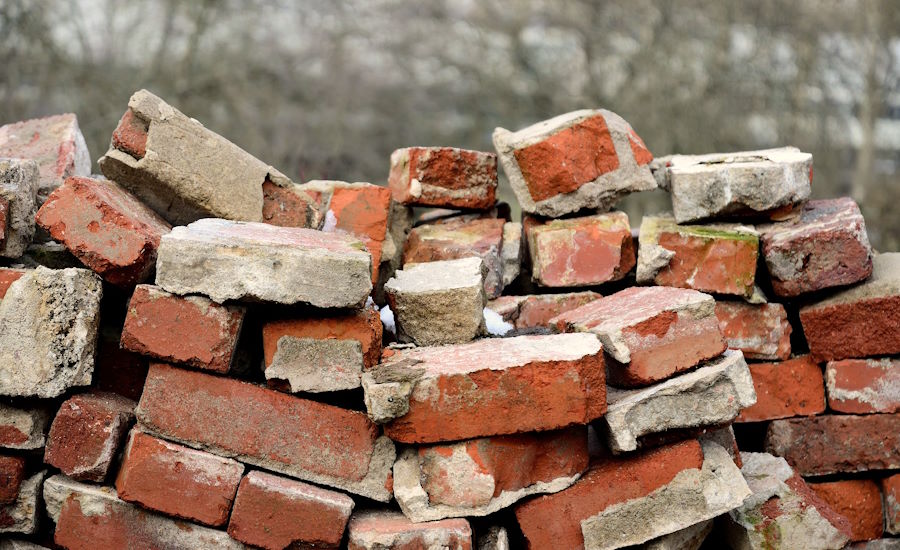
(784, 389)
(859, 500)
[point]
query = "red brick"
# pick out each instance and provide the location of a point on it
(9, 275)
(583, 251)
(492, 387)
(363, 325)
(890, 487)
(460, 238)
(130, 136)
(649, 333)
(862, 386)
(23, 427)
(298, 437)
(290, 206)
(274, 512)
(861, 321)
(824, 246)
(788, 388)
(361, 210)
(717, 258)
(761, 331)
(190, 330)
(554, 521)
(86, 433)
(178, 481)
(827, 444)
(444, 176)
(105, 227)
(378, 529)
(12, 472)
(858, 500)
(536, 310)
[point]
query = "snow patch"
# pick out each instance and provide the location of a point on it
(495, 324)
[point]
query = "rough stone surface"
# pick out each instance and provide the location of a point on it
(712, 395)
(437, 303)
(487, 387)
(890, 488)
(718, 258)
(182, 170)
(228, 260)
(880, 544)
(760, 331)
(512, 252)
(23, 427)
(461, 238)
(831, 444)
(649, 333)
(274, 512)
(584, 251)
(749, 183)
(12, 472)
(863, 386)
(89, 517)
(321, 353)
(105, 227)
(378, 529)
(858, 500)
(22, 515)
(583, 159)
(178, 481)
(157, 322)
(48, 332)
(536, 310)
(861, 321)
(15, 544)
(826, 245)
(297, 437)
(782, 512)
(54, 143)
(9, 275)
(689, 538)
(19, 180)
(87, 433)
(480, 476)
(443, 176)
(784, 389)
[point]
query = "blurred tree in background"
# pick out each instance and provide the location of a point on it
(326, 89)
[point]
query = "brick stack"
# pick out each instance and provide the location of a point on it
(209, 355)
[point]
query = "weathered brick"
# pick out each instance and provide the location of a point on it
(582, 159)
(21, 516)
(9, 275)
(287, 204)
(376, 529)
(583, 251)
(480, 476)
(182, 170)
(512, 252)
(178, 481)
(105, 227)
(858, 500)
(890, 488)
(788, 388)
(487, 387)
(274, 512)
(824, 246)
(536, 310)
(861, 321)
(89, 517)
(760, 331)
(862, 386)
(228, 260)
(48, 332)
(443, 176)
(782, 512)
(829, 444)
(86, 434)
(461, 238)
(12, 472)
(718, 258)
(189, 330)
(297, 437)
(763, 184)
(19, 181)
(712, 395)
(23, 427)
(438, 303)
(55, 143)
(649, 333)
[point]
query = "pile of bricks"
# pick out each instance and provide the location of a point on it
(197, 352)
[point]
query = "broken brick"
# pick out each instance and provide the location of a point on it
(863, 386)
(377, 529)
(788, 388)
(761, 331)
(536, 310)
(858, 500)
(445, 177)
